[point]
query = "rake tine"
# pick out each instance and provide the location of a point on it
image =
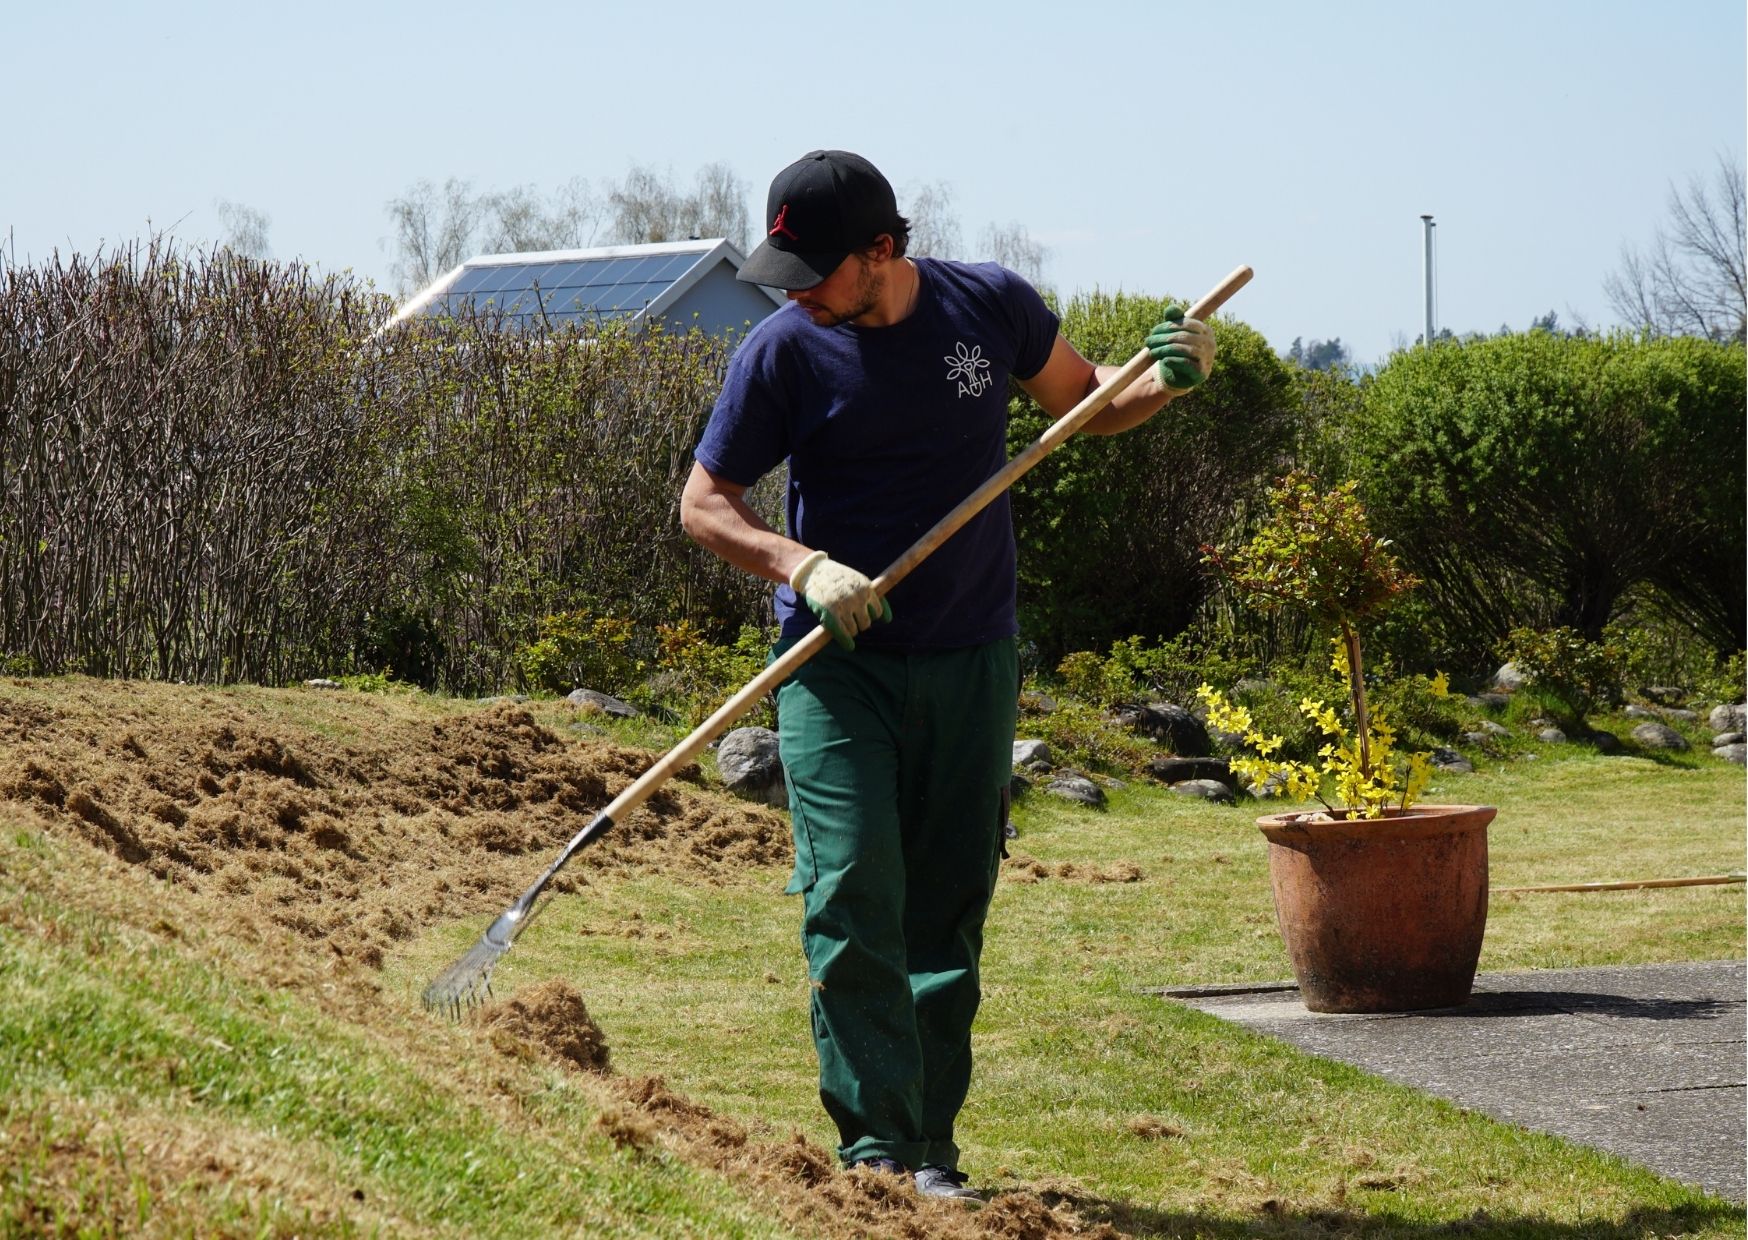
(469, 980)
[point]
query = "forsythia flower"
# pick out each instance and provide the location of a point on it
(1440, 686)
(1365, 793)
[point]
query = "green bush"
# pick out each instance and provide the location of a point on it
(1728, 681)
(1579, 675)
(576, 649)
(1081, 735)
(1421, 708)
(694, 676)
(307, 493)
(1135, 669)
(1533, 480)
(1109, 529)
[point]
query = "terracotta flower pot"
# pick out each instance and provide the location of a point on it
(1382, 914)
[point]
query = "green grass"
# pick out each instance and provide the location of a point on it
(111, 1034)
(163, 1072)
(1154, 1116)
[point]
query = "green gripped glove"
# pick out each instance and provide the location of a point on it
(842, 598)
(1184, 349)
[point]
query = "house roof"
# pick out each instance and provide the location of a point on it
(576, 287)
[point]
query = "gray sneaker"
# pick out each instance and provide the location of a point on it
(946, 1182)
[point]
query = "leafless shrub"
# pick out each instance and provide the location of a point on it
(211, 470)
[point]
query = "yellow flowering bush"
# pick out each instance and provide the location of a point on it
(1314, 550)
(1343, 779)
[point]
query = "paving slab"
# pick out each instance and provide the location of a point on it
(1647, 1062)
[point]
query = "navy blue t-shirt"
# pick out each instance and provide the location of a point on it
(886, 430)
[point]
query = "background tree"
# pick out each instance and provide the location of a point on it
(520, 220)
(648, 206)
(1689, 281)
(1319, 354)
(1013, 247)
(718, 206)
(434, 231)
(934, 228)
(245, 229)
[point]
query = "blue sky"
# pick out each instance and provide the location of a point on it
(1152, 146)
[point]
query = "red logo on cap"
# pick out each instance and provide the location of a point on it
(780, 227)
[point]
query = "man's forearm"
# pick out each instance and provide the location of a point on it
(719, 519)
(1132, 406)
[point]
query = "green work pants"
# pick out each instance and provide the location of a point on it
(898, 768)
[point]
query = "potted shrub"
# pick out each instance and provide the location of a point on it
(1381, 901)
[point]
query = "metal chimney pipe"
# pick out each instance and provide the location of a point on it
(1426, 277)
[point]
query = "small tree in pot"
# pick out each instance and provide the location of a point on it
(1382, 903)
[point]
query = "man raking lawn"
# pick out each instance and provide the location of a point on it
(884, 385)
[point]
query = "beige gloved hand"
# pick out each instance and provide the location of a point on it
(842, 598)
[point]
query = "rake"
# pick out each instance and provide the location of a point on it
(468, 980)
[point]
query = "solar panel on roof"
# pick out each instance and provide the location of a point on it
(676, 266)
(573, 275)
(470, 279)
(497, 276)
(579, 291)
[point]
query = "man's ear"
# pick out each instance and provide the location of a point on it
(881, 250)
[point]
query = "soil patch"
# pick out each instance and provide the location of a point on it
(358, 842)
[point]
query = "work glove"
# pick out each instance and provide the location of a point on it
(1184, 349)
(842, 598)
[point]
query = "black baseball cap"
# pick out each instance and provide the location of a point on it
(821, 208)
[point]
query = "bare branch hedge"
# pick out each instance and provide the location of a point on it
(212, 469)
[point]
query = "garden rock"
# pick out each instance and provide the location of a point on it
(1206, 789)
(1737, 753)
(1664, 695)
(1728, 718)
(1606, 742)
(1728, 738)
(1171, 725)
(751, 767)
(1028, 752)
(1037, 703)
(1478, 739)
(1509, 677)
(592, 703)
(1077, 788)
(1018, 786)
(1450, 760)
(1681, 715)
(322, 683)
(1552, 736)
(1489, 728)
(515, 699)
(1635, 711)
(1659, 736)
(1177, 770)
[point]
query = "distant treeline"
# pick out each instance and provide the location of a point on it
(213, 469)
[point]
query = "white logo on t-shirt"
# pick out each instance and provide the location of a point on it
(969, 369)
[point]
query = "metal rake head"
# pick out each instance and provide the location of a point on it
(469, 980)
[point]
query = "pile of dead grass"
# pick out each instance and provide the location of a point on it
(337, 848)
(355, 843)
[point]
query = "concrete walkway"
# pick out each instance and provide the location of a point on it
(1647, 1062)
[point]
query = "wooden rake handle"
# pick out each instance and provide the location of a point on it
(783, 667)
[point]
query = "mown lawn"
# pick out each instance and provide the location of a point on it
(1156, 1117)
